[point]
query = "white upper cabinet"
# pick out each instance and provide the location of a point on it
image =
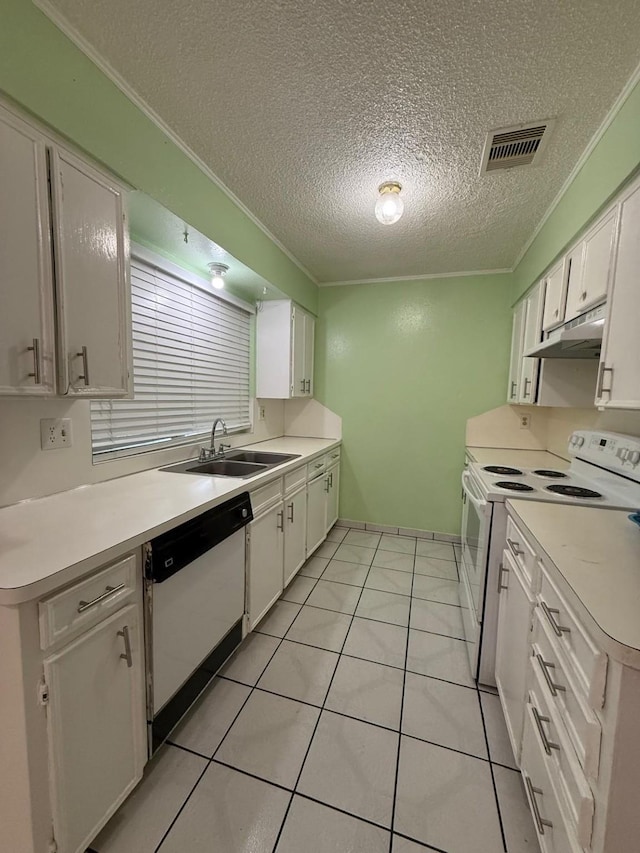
(588, 286)
(517, 340)
(555, 295)
(26, 296)
(91, 253)
(619, 377)
(284, 350)
(527, 384)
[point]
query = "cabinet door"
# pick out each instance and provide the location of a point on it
(516, 352)
(295, 533)
(618, 384)
(333, 496)
(590, 287)
(554, 299)
(96, 721)
(309, 341)
(265, 550)
(298, 375)
(512, 646)
(26, 280)
(532, 333)
(92, 271)
(317, 491)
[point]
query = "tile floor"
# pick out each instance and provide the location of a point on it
(346, 723)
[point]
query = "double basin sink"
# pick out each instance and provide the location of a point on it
(238, 463)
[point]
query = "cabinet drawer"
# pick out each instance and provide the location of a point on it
(68, 613)
(295, 479)
(523, 554)
(265, 496)
(588, 663)
(316, 467)
(549, 810)
(562, 692)
(562, 764)
(332, 458)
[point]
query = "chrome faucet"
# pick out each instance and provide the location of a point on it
(207, 453)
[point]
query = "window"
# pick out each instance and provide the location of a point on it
(191, 364)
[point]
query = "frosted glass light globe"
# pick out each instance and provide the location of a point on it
(389, 206)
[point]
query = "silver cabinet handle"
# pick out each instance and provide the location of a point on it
(85, 365)
(109, 590)
(540, 821)
(501, 586)
(545, 666)
(127, 646)
(35, 349)
(318, 465)
(549, 612)
(539, 720)
(527, 382)
(600, 390)
(303, 383)
(291, 515)
(326, 485)
(281, 520)
(514, 385)
(515, 549)
(308, 383)
(331, 479)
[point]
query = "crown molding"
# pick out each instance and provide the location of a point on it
(427, 276)
(89, 51)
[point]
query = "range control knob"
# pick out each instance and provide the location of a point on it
(579, 440)
(622, 453)
(634, 457)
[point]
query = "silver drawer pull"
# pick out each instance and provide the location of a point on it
(549, 613)
(109, 590)
(515, 549)
(35, 349)
(501, 586)
(127, 646)
(308, 384)
(514, 385)
(541, 822)
(527, 382)
(291, 508)
(280, 523)
(545, 666)
(335, 455)
(539, 720)
(85, 365)
(318, 465)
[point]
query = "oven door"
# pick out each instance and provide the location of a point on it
(476, 527)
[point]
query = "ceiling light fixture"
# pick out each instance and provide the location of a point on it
(218, 271)
(389, 206)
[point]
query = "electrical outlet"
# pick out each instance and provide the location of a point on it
(55, 433)
(260, 413)
(525, 421)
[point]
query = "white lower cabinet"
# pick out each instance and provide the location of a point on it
(295, 533)
(317, 491)
(96, 726)
(333, 496)
(265, 554)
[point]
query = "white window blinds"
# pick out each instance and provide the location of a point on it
(191, 361)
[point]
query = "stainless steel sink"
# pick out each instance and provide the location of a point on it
(260, 456)
(239, 463)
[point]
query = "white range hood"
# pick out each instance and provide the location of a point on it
(580, 338)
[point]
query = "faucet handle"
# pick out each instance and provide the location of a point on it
(222, 448)
(206, 453)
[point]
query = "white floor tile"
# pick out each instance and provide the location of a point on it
(446, 799)
(440, 550)
(270, 738)
(393, 560)
(352, 765)
(414, 531)
(327, 549)
(400, 544)
(341, 572)
(323, 628)
(517, 821)
(380, 642)
(403, 845)
(439, 657)
(369, 691)
(207, 723)
(146, 815)
(389, 580)
(497, 735)
(314, 567)
(337, 534)
(443, 713)
(436, 568)
(355, 554)
(384, 606)
(250, 658)
(363, 538)
(300, 672)
(314, 827)
(223, 813)
(278, 620)
(329, 595)
(299, 589)
(436, 589)
(437, 618)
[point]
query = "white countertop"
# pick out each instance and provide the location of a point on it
(517, 458)
(597, 554)
(48, 542)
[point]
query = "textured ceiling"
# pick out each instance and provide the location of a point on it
(303, 108)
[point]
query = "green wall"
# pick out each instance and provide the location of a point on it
(614, 159)
(43, 71)
(405, 364)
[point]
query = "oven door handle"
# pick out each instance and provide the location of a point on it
(479, 502)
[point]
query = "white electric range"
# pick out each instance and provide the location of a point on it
(604, 472)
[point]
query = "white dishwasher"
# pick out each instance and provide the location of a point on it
(194, 607)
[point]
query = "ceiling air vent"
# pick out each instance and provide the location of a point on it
(520, 145)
